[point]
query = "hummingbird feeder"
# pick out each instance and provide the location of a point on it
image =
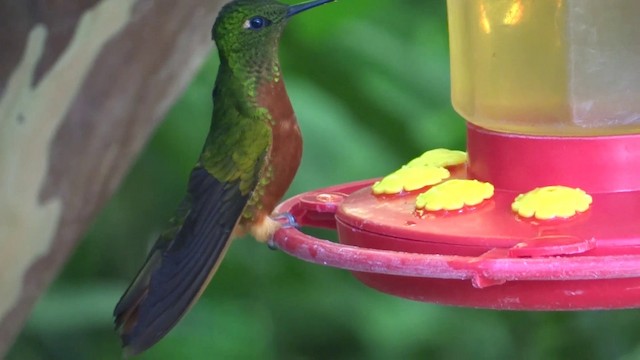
(543, 210)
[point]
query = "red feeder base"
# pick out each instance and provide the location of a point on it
(489, 257)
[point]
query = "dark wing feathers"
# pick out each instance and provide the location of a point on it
(181, 263)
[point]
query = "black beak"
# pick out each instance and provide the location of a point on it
(296, 9)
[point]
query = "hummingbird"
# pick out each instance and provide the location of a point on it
(247, 163)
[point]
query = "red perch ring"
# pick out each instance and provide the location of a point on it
(487, 257)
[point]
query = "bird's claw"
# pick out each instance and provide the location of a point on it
(286, 221)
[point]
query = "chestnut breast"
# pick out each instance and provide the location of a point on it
(283, 159)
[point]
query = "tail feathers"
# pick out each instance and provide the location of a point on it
(181, 263)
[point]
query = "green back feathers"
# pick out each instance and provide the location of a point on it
(237, 143)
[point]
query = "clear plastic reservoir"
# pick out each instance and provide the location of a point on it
(547, 67)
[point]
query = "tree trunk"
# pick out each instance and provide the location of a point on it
(82, 85)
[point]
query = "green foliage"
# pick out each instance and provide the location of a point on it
(369, 82)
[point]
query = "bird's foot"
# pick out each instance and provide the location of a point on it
(286, 221)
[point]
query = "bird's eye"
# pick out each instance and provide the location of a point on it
(257, 23)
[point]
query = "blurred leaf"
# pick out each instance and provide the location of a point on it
(75, 308)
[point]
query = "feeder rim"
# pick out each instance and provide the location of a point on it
(491, 268)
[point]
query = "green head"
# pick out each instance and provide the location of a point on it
(249, 30)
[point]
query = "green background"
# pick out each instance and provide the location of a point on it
(370, 86)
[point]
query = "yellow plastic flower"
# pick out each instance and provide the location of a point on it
(551, 202)
(439, 158)
(454, 195)
(409, 179)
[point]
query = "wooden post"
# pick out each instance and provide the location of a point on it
(82, 85)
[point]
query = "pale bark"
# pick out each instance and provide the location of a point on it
(82, 85)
